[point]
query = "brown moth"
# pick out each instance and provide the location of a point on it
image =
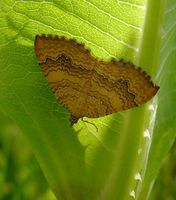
(88, 87)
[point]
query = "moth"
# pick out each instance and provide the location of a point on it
(89, 87)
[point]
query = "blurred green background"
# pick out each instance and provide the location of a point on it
(20, 175)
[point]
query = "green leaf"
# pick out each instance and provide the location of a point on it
(164, 130)
(122, 158)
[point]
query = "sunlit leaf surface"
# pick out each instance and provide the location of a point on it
(114, 157)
